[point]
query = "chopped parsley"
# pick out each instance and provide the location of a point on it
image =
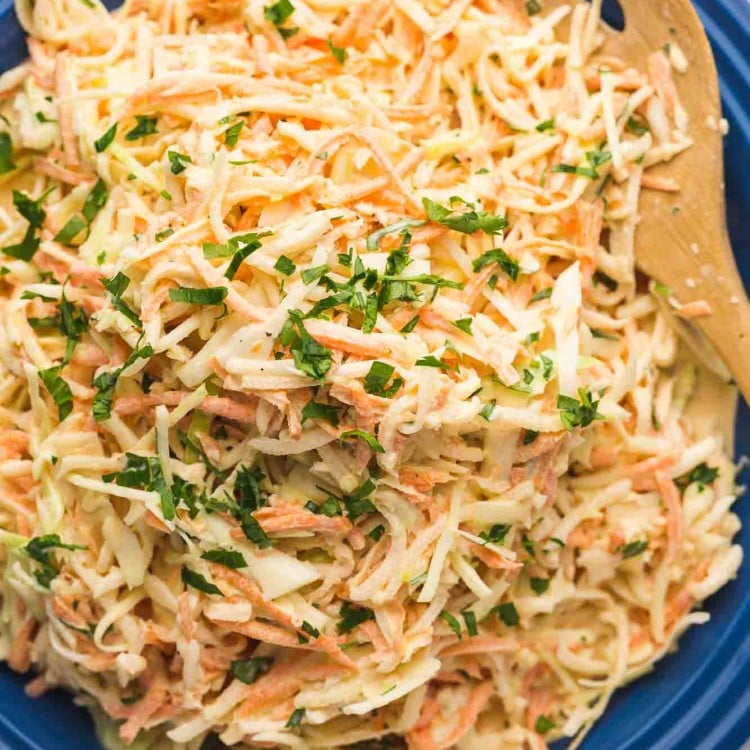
(277, 14)
(487, 410)
(232, 134)
(352, 617)
(59, 390)
(632, 549)
(310, 275)
(73, 227)
(702, 475)
(601, 278)
(543, 724)
(377, 379)
(6, 154)
(545, 125)
(310, 357)
(339, 53)
(464, 324)
(586, 171)
(106, 382)
(410, 325)
(95, 201)
(178, 161)
(370, 439)
(325, 412)
(468, 222)
(432, 361)
(248, 670)
(574, 413)
(146, 125)
(508, 613)
(636, 125)
(39, 549)
(376, 533)
(227, 558)
(497, 534)
(330, 507)
(471, 622)
(32, 211)
(295, 719)
(452, 623)
(103, 143)
(116, 287)
(144, 473)
(529, 436)
(358, 504)
(197, 581)
(508, 265)
(539, 585)
(542, 294)
(211, 296)
(285, 265)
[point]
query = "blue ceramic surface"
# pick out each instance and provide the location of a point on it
(699, 698)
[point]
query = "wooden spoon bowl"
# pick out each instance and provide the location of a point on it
(682, 239)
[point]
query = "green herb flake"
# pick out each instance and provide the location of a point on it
(508, 265)
(146, 125)
(539, 585)
(103, 143)
(529, 436)
(542, 294)
(601, 278)
(533, 7)
(508, 613)
(468, 222)
(106, 382)
(464, 324)
(311, 630)
(59, 390)
(310, 357)
(632, 549)
(311, 275)
(297, 715)
(178, 161)
(73, 227)
(702, 475)
(232, 134)
(164, 234)
(376, 533)
(227, 558)
(248, 670)
(324, 412)
(432, 361)
(496, 534)
(6, 154)
(487, 410)
(471, 622)
(377, 379)
(589, 172)
(95, 201)
(545, 125)
(144, 473)
(39, 549)
(575, 413)
(211, 296)
(352, 617)
(636, 126)
(452, 623)
(543, 724)
(370, 439)
(197, 581)
(410, 325)
(285, 265)
(116, 287)
(339, 53)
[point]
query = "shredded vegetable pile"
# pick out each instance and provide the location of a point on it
(333, 411)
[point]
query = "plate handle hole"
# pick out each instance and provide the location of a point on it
(613, 15)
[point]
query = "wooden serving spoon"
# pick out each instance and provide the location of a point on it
(682, 239)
